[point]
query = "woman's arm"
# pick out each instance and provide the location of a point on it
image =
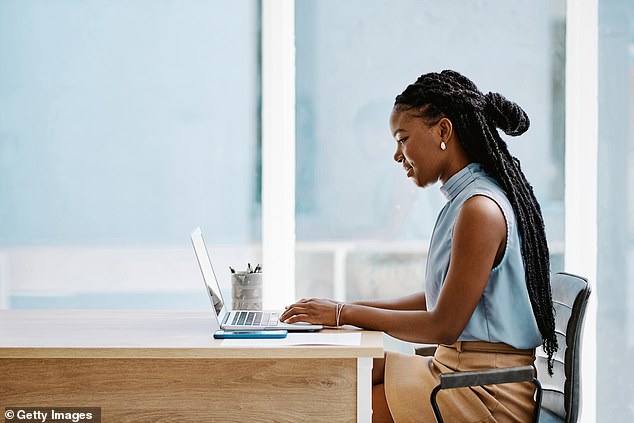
(327, 309)
(409, 302)
(478, 242)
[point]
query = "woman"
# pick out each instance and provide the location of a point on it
(487, 300)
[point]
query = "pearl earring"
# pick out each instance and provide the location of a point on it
(443, 146)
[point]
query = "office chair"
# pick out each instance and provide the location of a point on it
(558, 397)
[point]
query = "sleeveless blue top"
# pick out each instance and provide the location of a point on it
(504, 313)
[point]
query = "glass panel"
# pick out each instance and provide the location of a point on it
(123, 126)
(615, 275)
(362, 227)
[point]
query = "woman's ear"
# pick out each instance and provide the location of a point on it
(445, 128)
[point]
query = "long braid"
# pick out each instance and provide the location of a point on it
(475, 118)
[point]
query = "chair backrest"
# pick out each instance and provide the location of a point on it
(561, 392)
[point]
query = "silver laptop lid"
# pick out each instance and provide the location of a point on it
(215, 296)
(209, 276)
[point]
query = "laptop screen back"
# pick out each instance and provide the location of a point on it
(213, 289)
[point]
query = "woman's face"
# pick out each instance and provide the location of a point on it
(418, 148)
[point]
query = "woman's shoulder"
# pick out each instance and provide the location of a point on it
(479, 214)
(485, 185)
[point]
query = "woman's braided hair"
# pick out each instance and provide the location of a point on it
(475, 117)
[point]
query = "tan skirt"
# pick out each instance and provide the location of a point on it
(409, 380)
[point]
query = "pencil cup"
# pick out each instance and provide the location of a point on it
(246, 291)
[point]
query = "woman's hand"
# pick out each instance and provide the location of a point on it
(314, 310)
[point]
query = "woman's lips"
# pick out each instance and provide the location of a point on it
(410, 172)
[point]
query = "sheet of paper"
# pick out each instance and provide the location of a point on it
(301, 338)
(324, 338)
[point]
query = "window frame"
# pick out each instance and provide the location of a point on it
(581, 175)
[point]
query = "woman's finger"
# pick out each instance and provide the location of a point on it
(300, 317)
(292, 310)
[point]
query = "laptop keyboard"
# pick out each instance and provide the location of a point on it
(255, 318)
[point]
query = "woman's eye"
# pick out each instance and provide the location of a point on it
(401, 139)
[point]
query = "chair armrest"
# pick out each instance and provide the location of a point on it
(487, 377)
(426, 351)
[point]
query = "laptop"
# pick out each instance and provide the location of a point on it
(237, 320)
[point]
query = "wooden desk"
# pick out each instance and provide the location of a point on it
(165, 367)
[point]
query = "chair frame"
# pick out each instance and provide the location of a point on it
(521, 373)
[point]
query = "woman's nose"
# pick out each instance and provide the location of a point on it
(398, 155)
